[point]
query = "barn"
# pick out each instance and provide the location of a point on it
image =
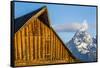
(36, 42)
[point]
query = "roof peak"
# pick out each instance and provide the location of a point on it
(20, 21)
(32, 11)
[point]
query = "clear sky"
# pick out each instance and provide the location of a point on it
(62, 14)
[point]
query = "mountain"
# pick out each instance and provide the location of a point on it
(83, 46)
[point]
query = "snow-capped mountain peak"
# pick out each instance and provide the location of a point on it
(83, 45)
(82, 40)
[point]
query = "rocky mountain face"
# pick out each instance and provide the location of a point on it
(83, 46)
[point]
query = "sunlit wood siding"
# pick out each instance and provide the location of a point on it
(35, 43)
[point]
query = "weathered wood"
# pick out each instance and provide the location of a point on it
(37, 44)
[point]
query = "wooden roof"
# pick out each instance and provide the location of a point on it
(42, 16)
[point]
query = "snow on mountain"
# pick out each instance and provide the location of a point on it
(83, 46)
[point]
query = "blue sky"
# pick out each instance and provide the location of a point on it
(62, 14)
